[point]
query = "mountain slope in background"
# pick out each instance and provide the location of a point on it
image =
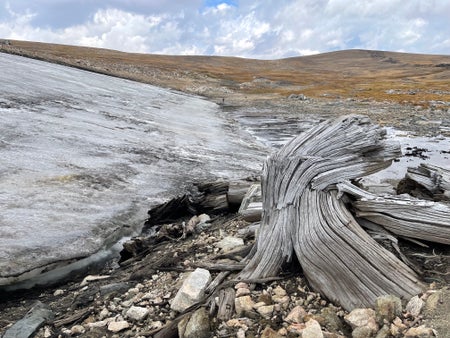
(359, 74)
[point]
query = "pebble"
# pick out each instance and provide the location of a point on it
(296, 315)
(137, 313)
(118, 326)
(58, 292)
(312, 330)
(77, 329)
(266, 310)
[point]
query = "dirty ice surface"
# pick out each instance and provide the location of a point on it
(83, 156)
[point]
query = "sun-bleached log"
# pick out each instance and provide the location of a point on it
(302, 215)
(402, 215)
(434, 179)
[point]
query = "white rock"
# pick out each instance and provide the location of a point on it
(296, 315)
(362, 317)
(243, 304)
(192, 290)
(414, 306)
(118, 326)
(229, 243)
(266, 311)
(77, 329)
(137, 313)
(58, 292)
(312, 330)
(242, 292)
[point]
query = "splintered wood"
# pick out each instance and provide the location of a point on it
(303, 215)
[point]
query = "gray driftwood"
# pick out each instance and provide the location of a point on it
(434, 179)
(303, 215)
(402, 215)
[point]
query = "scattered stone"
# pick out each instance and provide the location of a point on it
(432, 301)
(266, 310)
(384, 332)
(312, 330)
(331, 320)
(198, 325)
(242, 292)
(419, 332)
(296, 315)
(229, 243)
(362, 332)
(192, 290)
(268, 332)
(414, 306)
(77, 329)
(137, 313)
(363, 320)
(31, 322)
(58, 292)
(243, 305)
(118, 326)
(387, 308)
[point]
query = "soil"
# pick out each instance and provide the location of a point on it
(152, 277)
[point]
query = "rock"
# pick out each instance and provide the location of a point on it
(243, 304)
(198, 325)
(419, 332)
(77, 329)
(229, 243)
(31, 322)
(279, 291)
(432, 302)
(268, 332)
(414, 306)
(296, 315)
(242, 292)
(192, 290)
(266, 310)
(137, 313)
(312, 330)
(387, 308)
(58, 292)
(331, 320)
(118, 326)
(384, 332)
(362, 332)
(362, 317)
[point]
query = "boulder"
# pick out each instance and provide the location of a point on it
(192, 290)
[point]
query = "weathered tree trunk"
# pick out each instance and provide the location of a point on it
(403, 216)
(302, 215)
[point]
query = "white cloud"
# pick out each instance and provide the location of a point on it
(266, 29)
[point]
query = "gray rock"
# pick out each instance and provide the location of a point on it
(198, 325)
(229, 243)
(362, 317)
(312, 330)
(31, 322)
(387, 308)
(362, 332)
(414, 306)
(192, 290)
(137, 313)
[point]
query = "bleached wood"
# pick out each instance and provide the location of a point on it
(433, 178)
(302, 214)
(403, 215)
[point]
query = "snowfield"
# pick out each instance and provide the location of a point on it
(84, 156)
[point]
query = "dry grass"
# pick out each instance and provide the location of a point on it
(373, 75)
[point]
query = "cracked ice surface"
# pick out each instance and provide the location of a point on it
(83, 156)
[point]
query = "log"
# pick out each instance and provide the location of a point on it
(434, 179)
(402, 215)
(303, 215)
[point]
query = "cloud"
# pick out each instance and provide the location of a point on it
(269, 29)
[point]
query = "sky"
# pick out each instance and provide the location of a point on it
(266, 29)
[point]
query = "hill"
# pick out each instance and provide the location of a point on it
(416, 79)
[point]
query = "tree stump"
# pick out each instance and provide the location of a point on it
(303, 215)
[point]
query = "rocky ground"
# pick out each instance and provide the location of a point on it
(135, 297)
